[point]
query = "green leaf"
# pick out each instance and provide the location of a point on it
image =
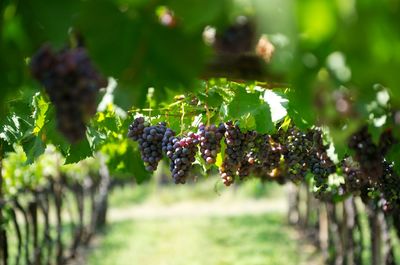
(96, 139)
(79, 152)
(48, 20)
(107, 29)
(15, 129)
(322, 24)
(107, 122)
(33, 148)
(211, 98)
(221, 155)
(51, 135)
(40, 107)
(277, 104)
(247, 122)
(298, 118)
(264, 123)
(244, 105)
(123, 159)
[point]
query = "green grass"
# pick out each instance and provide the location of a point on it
(244, 240)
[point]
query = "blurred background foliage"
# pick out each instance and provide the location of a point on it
(127, 40)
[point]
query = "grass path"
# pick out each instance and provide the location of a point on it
(249, 232)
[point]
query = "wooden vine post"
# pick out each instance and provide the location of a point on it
(293, 201)
(3, 233)
(323, 234)
(348, 230)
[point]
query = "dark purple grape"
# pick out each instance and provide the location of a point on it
(238, 38)
(72, 83)
(150, 139)
(321, 166)
(296, 153)
(182, 156)
(234, 153)
(210, 141)
(367, 153)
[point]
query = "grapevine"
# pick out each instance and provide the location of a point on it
(286, 154)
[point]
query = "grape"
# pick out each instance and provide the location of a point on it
(237, 39)
(72, 84)
(247, 164)
(233, 154)
(137, 127)
(318, 161)
(270, 152)
(168, 142)
(355, 180)
(150, 140)
(182, 156)
(367, 154)
(296, 154)
(389, 185)
(210, 138)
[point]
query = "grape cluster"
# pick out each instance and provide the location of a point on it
(321, 166)
(150, 141)
(247, 164)
(367, 154)
(210, 141)
(269, 156)
(285, 155)
(238, 38)
(136, 128)
(183, 156)
(389, 185)
(234, 153)
(72, 83)
(355, 180)
(168, 142)
(296, 154)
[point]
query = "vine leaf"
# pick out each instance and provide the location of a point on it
(277, 104)
(40, 107)
(26, 132)
(244, 105)
(52, 136)
(211, 98)
(78, 152)
(14, 129)
(96, 139)
(221, 155)
(47, 20)
(123, 29)
(33, 148)
(264, 123)
(124, 160)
